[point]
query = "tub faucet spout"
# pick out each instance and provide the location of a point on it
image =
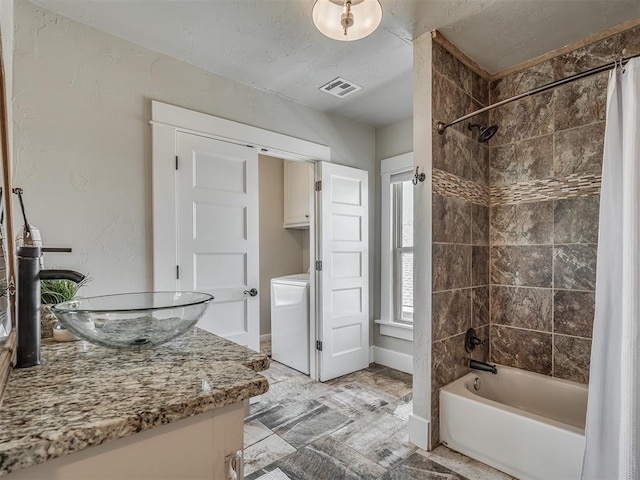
(485, 367)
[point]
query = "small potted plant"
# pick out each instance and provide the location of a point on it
(53, 292)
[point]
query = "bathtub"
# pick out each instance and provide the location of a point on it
(528, 425)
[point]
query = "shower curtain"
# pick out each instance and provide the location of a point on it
(613, 410)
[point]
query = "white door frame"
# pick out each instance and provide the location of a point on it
(166, 121)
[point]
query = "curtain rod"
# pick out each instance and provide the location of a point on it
(441, 126)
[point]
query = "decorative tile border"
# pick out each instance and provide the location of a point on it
(451, 185)
(548, 189)
(572, 186)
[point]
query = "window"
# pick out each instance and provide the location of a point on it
(402, 224)
(396, 302)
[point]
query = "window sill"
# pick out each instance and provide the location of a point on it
(395, 329)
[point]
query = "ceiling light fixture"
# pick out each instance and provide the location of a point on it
(347, 20)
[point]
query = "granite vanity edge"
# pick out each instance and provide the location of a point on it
(258, 364)
(27, 452)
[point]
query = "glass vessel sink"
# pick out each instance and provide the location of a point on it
(132, 320)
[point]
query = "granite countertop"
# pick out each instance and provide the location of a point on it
(84, 395)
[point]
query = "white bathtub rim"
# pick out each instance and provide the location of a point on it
(526, 373)
(458, 388)
(511, 411)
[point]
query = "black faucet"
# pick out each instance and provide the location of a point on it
(485, 367)
(28, 302)
(471, 341)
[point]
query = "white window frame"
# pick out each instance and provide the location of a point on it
(388, 324)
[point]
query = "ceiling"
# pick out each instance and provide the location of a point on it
(272, 45)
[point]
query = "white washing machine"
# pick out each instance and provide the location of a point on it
(290, 321)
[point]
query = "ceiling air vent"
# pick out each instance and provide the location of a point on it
(339, 87)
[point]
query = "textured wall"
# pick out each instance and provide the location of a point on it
(281, 249)
(83, 143)
(460, 257)
(545, 165)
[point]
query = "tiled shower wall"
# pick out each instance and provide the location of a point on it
(515, 226)
(460, 255)
(545, 166)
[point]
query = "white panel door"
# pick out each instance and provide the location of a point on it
(217, 230)
(344, 278)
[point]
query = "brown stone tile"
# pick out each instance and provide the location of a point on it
(480, 165)
(581, 102)
(575, 267)
(523, 224)
(435, 417)
(581, 60)
(480, 89)
(523, 161)
(453, 152)
(450, 102)
(479, 266)
(629, 42)
(451, 220)
(524, 349)
(451, 266)
(535, 222)
(504, 225)
(451, 313)
(452, 68)
(576, 220)
(521, 82)
(535, 117)
(571, 358)
(503, 164)
(573, 312)
(479, 225)
(529, 308)
(449, 361)
(523, 119)
(598, 53)
(522, 266)
(445, 92)
(535, 158)
(506, 119)
(479, 306)
(579, 151)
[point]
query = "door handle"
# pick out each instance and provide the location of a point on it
(253, 292)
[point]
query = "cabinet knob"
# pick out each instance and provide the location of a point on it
(307, 216)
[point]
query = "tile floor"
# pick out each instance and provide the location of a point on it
(353, 427)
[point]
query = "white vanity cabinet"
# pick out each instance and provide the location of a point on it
(298, 194)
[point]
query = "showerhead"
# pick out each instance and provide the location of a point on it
(485, 132)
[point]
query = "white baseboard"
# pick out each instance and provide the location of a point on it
(393, 359)
(419, 431)
(265, 338)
